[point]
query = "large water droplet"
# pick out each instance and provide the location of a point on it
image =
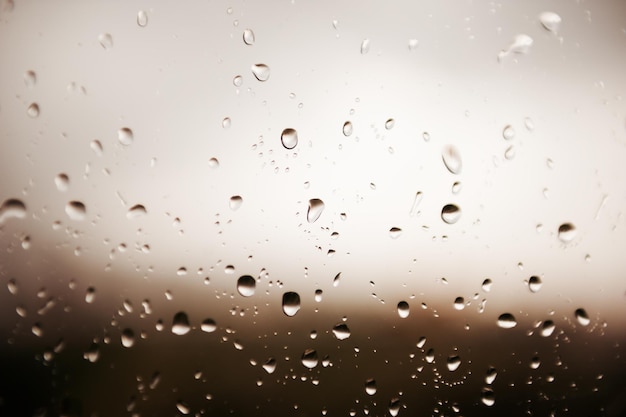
(208, 326)
(582, 317)
(316, 207)
(453, 363)
(347, 128)
(261, 72)
(183, 407)
(309, 358)
(289, 138)
(394, 407)
(90, 295)
(248, 37)
(486, 285)
(341, 331)
(135, 211)
(291, 303)
(534, 283)
(567, 232)
(125, 136)
(370, 386)
(12, 208)
(318, 295)
(106, 40)
(142, 18)
(235, 202)
(365, 46)
(491, 376)
(550, 21)
(547, 328)
(76, 210)
(488, 397)
(128, 338)
(246, 285)
(507, 321)
(403, 309)
(270, 365)
(180, 324)
(30, 79)
(33, 110)
(459, 303)
(450, 213)
(451, 159)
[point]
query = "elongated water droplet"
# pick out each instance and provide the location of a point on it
(491, 376)
(248, 37)
(394, 407)
(582, 317)
(507, 321)
(316, 207)
(208, 326)
(341, 331)
(125, 136)
(246, 285)
(12, 286)
(309, 358)
(291, 303)
(128, 338)
(289, 138)
(403, 309)
(106, 40)
(30, 79)
(270, 365)
(76, 210)
(347, 128)
(567, 232)
(337, 280)
(261, 72)
(33, 110)
(547, 328)
(550, 21)
(488, 397)
(451, 159)
(365, 46)
(135, 211)
(180, 324)
(142, 18)
(12, 208)
(395, 232)
(508, 132)
(235, 202)
(534, 283)
(90, 295)
(370, 386)
(183, 407)
(453, 363)
(450, 213)
(416, 202)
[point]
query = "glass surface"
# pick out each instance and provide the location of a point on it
(312, 208)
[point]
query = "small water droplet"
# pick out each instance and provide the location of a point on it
(33, 110)
(535, 362)
(309, 358)
(214, 163)
(142, 18)
(106, 40)
(582, 317)
(450, 213)
(37, 329)
(395, 232)
(550, 21)
(226, 122)
(238, 81)
(246, 285)
(528, 123)
(291, 303)
(76, 210)
(365, 46)
(389, 124)
(12, 286)
(566, 232)
(453, 363)
(459, 303)
(507, 321)
(508, 132)
(337, 280)
(451, 159)
(491, 376)
(180, 324)
(235, 202)
(208, 325)
(96, 146)
(261, 72)
(347, 128)
(316, 207)
(125, 136)
(12, 208)
(413, 44)
(30, 79)
(289, 138)
(183, 407)
(370, 386)
(318, 295)
(248, 37)
(90, 295)
(547, 328)
(521, 45)
(394, 407)
(403, 309)
(488, 397)
(270, 365)
(128, 338)
(135, 211)
(534, 283)
(509, 153)
(341, 331)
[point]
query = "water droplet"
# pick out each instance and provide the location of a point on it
(365, 46)
(235, 202)
(180, 324)
(547, 328)
(142, 18)
(246, 285)
(30, 79)
(550, 21)
(248, 37)
(337, 280)
(318, 295)
(93, 353)
(451, 159)
(125, 136)
(459, 303)
(238, 81)
(453, 363)
(183, 407)
(316, 207)
(508, 132)
(528, 123)
(582, 317)
(128, 338)
(12, 287)
(394, 407)
(509, 153)
(521, 45)
(430, 356)
(395, 232)
(370, 386)
(289, 138)
(106, 40)
(534, 283)
(76, 210)
(450, 213)
(214, 163)
(567, 232)
(507, 321)
(135, 211)
(413, 44)
(488, 397)
(347, 128)
(261, 72)
(62, 182)
(90, 295)
(270, 365)
(226, 122)
(309, 358)
(491, 376)
(341, 331)
(12, 208)
(403, 309)
(389, 124)
(208, 325)
(37, 329)
(33, 110)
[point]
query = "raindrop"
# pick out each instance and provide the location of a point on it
(183, 407)
(93, 353)
(289, 138)
(370, 386)
(316, 207)
(389, 124)
(246, 285)
(214, 163)
(208, 325)
(12, 208)
(341, 331)
(491, 376)
(33, 110)
(582, 316)
(96, 146)
(506, 321)
(291, 303)
(337, 280)
(30, 79)
(37, 330)
(395, 232)
(459, 303)
(142, 18)
(365, 46)
(521, 45)
(309, 358)
(456, 187)
(550, 21)
(567, 232)
(180, 324)
(12, 287)
(488, 397)
(430, 356)
(508, 132)
(270, 365)
(451, 159)
(347, 128)
(453, 363)
(154, 380)
(248, 37)
(547, 328)
(528, 123)
(106, 40)
(90, 295)
(509, 153)
(76, 210)
(128, 338)
(62, 181)
(226, 122)
(135, 211)
(235, 202)
(318, 295)
(535, 362)
(238, 81)
(534, 283)
(450, 213)
(413, 44)
(394, 407)
(403, 309)
(125, 136)
(261, 72)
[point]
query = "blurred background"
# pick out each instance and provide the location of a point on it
(312, 208)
